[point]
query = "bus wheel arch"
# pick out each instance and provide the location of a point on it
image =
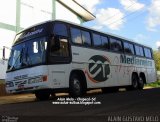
(141, 81)
(77, 83)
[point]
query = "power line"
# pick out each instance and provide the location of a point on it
(127, 16)
(142, 12)
(118, 12)
(123, 18)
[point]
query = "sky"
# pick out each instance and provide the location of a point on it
(137, 20)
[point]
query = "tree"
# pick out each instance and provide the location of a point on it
(156, 55)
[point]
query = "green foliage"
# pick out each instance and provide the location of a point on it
(155, 84)
(156, 55)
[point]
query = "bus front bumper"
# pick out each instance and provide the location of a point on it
(27, 85)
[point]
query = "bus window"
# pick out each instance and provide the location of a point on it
(97, 40)
(128, 48)
(76, 36)
(139, 50)
(131, 48)
(63, 50)
(115, 45)
(64, 47)
(147, 53)
(60, 29)
(86, 38)
(59, 42)
(35, 47)
(105, 43)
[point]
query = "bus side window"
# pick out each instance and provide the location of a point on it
(116, 45)
(105, 42)
(97, 40)
(128, 48)
(147, 53)
(139, 50)
(76, 36)
(86, 38)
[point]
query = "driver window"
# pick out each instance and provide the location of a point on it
(60, 35)
(63, 51)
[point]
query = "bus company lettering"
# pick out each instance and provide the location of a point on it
(32, 33)
(133, 60)
(98, 68)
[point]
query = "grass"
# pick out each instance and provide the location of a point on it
(155, 84)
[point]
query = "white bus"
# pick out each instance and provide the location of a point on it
(58, 56)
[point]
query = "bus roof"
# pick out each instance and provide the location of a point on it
(107, 33)
(71, 23)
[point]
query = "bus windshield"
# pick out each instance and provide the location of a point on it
(28, 53)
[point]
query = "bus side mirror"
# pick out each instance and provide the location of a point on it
(3, 55)
(5, 52)
(55, 43)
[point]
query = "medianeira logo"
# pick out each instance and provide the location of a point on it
(98, 68)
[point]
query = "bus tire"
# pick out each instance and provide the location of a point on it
(75, 86)
(140, 83)
(134, 85)
(42, 95)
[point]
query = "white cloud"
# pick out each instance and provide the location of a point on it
(98, 27)
(154, 15)
(151, 29)
(158, 43)
(89, 5)
(131, 5)
(140, 38)
(104, 17)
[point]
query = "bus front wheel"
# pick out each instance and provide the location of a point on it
(75, 86)
(42, 94)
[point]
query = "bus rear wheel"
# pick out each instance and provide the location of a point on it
(141, 83)
(134, 85)
(75, 86)
(42, 95)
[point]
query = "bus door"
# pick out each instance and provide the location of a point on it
(59, 56)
